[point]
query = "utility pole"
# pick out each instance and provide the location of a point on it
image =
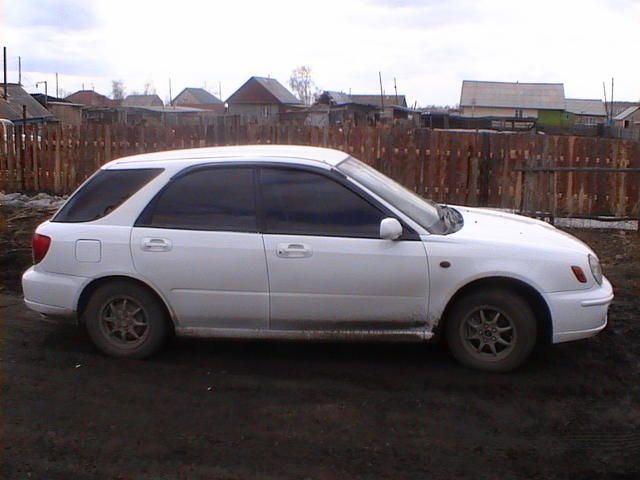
(219, 89)
(611, 100)
(170, 96)
(46, 93)
(20, 71)
(395, 87)
(606, 104)
(381, 93)
(4, 63)
(57, 95)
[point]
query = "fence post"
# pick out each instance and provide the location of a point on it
(19, 156)
(36, 144)
(56, 166)
(483, 171)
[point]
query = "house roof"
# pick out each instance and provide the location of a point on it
(544, 96)
(90, 98)
(278, 90)
(200, 95)
(341, 98)
(626, 112)
(142, 101)
(11, 108)
(376, 100)
(580, 106)
(334, 98)
(169, 109)
(260, 90)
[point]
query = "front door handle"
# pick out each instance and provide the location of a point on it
(293, 250)
(150, 244)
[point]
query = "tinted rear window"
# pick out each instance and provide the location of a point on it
(105, 192)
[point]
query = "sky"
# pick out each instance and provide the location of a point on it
(428, 46)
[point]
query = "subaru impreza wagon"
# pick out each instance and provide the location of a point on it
(304, 243)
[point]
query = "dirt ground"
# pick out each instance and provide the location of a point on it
(258, 410)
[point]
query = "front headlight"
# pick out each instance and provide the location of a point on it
(596, 269)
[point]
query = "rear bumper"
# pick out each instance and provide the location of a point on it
(580, 314)
(52, 294)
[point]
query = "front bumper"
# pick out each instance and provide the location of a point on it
(580, 314)
(52, 294)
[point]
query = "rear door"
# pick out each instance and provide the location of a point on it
(198, 243)
(328, 267)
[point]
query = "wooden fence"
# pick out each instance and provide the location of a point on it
(543, 174)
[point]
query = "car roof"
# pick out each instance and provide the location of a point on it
(195, 156)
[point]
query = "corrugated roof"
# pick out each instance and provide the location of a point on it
(11, 108)
(581, 106)
(142, 101)
(278, 90)
(337, 98)
(341, 98)
(168, 109)
(545, 96)
(376, 101)
(626, 112)
(201, 96)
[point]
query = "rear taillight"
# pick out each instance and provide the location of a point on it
(39, 247)
(580, 276)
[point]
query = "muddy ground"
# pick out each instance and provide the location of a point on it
(257, 410)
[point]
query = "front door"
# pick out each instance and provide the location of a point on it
(328, 267)
(198, 243)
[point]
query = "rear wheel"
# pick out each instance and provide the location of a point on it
(493, 330)
(126, 320)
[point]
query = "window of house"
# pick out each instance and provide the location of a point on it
(265, 111)
(300, 202)
(210, 199)
(519, 113)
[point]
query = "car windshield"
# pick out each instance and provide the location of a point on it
(426, 213)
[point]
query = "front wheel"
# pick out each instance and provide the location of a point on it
(125, 320)
(493, 330)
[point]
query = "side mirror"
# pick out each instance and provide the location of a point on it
(390, 229)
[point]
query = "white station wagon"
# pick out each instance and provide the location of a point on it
(304, 243)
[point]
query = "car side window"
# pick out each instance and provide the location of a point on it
(300, 202)
(215, 198)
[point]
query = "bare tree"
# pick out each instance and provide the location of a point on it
(117, 90)
(302, 84)
(149, 88)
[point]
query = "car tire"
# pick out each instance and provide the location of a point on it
(126, 320)
(493, 331)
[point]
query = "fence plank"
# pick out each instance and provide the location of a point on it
(482, 169)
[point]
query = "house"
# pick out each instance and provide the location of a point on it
(142, 101)
(166, 116)
(198, 98)
(97, 108)
(628, 118)
(618, 107)
(586, 111)
(542, 102)
(20, 107)
(64, 111)
(261, 100)
(380, 101)
(361, 109)
(91, 98)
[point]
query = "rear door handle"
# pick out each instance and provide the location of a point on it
(150, 244)
(293, 250)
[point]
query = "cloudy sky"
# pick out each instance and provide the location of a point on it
(428, 46)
